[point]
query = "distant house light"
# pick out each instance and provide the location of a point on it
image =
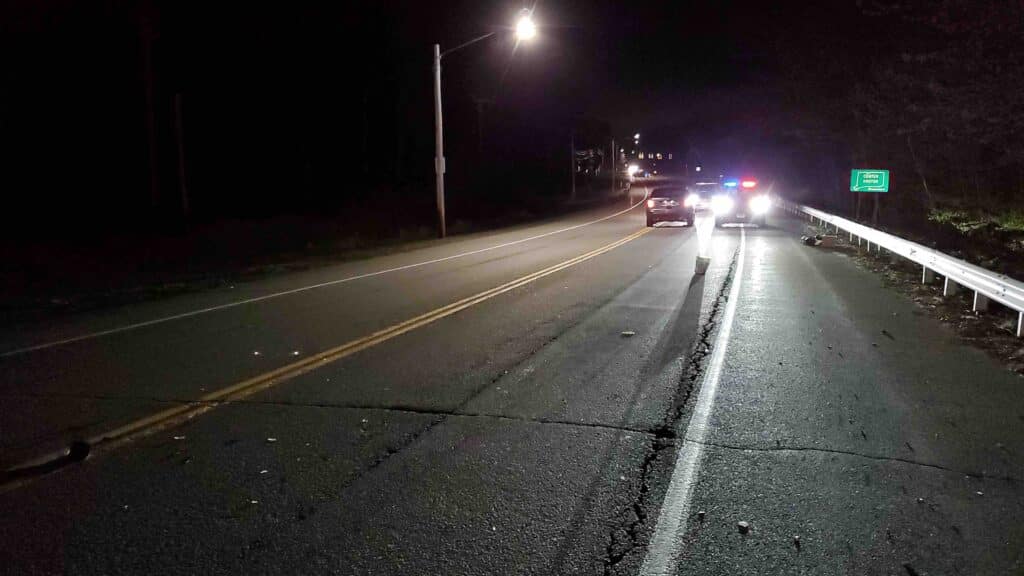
(669, 155)
(659, 155)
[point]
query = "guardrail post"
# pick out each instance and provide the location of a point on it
(949, 287)
(927, 276)
(1020, 324)
(980, 302)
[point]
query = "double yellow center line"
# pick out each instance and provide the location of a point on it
(178, 414)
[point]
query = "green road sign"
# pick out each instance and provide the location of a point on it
(869, 181)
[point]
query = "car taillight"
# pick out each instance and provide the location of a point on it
(748, 183)
(650, 203)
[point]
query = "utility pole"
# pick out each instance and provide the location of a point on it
(439, 141)
(480, 103)
(149, 35)
(179, 135)
(615, 164)
(572, 140)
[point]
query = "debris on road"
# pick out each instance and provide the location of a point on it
(796, 541)
(179, 437)
(628, 334)
(887, 334)
(743, 527)
(818, 240)
(700, 515)
(271, 440)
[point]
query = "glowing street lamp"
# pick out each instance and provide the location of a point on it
(525, 29)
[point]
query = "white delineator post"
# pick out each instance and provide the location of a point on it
(439, 141)
(704, 222)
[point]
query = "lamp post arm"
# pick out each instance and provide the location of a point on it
(469, 43)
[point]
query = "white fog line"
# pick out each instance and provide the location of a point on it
(664, 548)
(191, 313)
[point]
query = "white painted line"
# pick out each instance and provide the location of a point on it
(191, 313)
(664, 548)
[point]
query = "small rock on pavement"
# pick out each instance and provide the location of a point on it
(743, 527)
(700, 515)
(628, 333)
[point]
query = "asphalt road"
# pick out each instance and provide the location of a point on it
(522, 431)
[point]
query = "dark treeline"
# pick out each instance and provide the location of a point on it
(135, 117)
(928, 89)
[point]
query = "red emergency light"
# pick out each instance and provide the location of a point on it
(748, 183)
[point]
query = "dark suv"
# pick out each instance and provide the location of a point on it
(668, 203)
(680, 203)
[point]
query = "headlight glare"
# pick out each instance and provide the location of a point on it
(721, 204)
(760, 205)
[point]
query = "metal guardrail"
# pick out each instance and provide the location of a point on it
(987, 285)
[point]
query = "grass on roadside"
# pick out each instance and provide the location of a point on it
(968, 221)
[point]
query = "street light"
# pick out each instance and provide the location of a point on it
(525, 29)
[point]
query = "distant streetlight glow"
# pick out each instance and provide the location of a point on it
(636, 136)
(525, 28)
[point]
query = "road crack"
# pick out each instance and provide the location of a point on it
(442, 413)
(630, 534)
(876, 457)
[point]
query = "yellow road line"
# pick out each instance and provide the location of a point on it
(179, 414)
